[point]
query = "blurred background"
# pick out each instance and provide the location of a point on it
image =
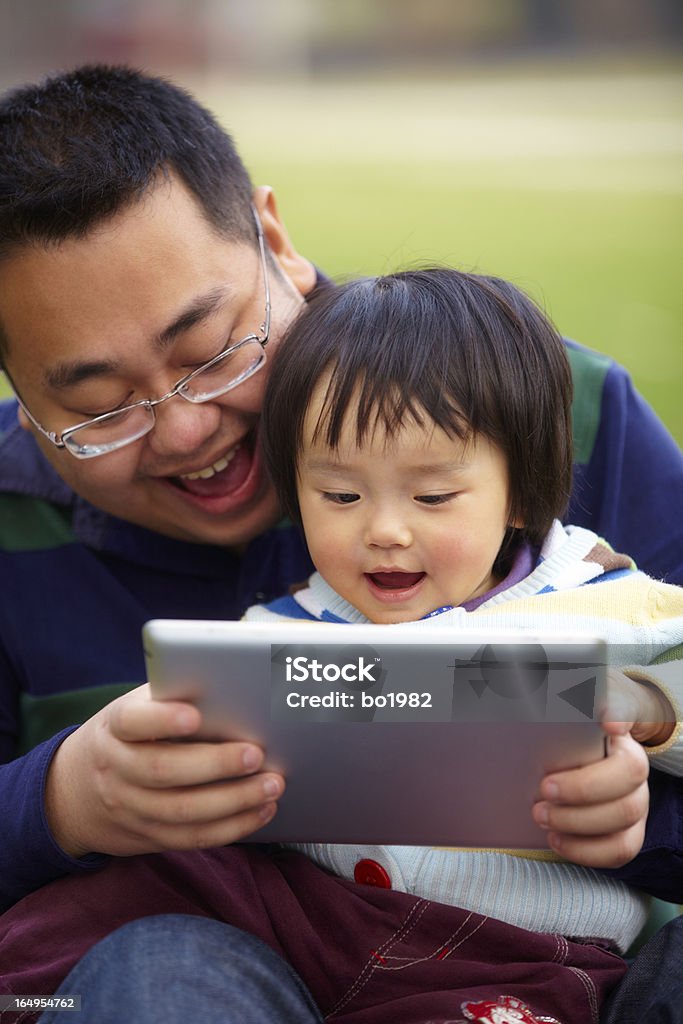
(541, 140)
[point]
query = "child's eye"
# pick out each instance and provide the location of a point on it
(340, 497)
(435, 499)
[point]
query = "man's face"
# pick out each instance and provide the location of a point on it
(121, 315)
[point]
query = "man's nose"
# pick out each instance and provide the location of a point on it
(182, 427)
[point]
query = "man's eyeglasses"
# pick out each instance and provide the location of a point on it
(229, 369)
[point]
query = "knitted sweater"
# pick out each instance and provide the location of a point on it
(642, 620)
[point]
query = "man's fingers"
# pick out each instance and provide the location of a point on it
(140, 837)
(159, 765)
(138, 727)
(215, 833)
(135, 717)
(193, 806)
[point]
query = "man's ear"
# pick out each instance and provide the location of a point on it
(297, 268)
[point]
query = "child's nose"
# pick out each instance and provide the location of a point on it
(386, 529)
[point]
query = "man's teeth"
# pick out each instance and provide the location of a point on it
(216, 467)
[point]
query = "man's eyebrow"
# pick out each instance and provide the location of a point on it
(199, 309)
(68, 374)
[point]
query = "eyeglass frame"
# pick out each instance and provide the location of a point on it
(151, 403)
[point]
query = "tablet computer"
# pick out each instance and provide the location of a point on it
(391, 734)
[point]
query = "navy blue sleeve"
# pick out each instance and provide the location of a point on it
(29, 856)
(630, 489)
(658, 868)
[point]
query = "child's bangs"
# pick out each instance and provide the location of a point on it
(367, 402)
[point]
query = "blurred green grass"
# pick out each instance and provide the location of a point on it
(570, 183)
(607, 268)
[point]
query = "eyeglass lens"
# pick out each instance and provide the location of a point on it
(121, 428)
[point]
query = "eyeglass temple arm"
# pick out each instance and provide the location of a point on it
(49, 434)
(265, 326)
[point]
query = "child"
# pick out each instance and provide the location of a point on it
(418, 427)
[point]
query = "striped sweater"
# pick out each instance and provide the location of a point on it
(642, 620)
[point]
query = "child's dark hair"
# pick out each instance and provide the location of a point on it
(471, 353)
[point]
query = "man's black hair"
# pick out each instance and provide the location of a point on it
(83, 144)
(472, 354)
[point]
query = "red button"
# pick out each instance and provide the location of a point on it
(369, 872)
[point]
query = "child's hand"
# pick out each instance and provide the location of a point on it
(596, 815)
(636, 707)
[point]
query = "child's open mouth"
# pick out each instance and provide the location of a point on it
(392, 581)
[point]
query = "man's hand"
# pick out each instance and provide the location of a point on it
(596, 815)
(115, 787)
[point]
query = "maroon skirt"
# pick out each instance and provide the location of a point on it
(368, 955)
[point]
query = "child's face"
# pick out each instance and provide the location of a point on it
(403, 526)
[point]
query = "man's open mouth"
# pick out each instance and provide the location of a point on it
(216, 467)
(221, 477)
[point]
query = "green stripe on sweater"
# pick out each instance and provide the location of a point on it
(28, 524)
(42, 717)
(589, 370)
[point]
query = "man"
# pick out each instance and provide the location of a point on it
(142, 282)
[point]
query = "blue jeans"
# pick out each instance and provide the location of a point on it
(652, 990)
(172, 969)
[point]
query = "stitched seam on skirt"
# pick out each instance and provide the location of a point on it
(591, 992)
(562, 950)
(416, 912)
(375, 963)
(442, 951)
(465, 938)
